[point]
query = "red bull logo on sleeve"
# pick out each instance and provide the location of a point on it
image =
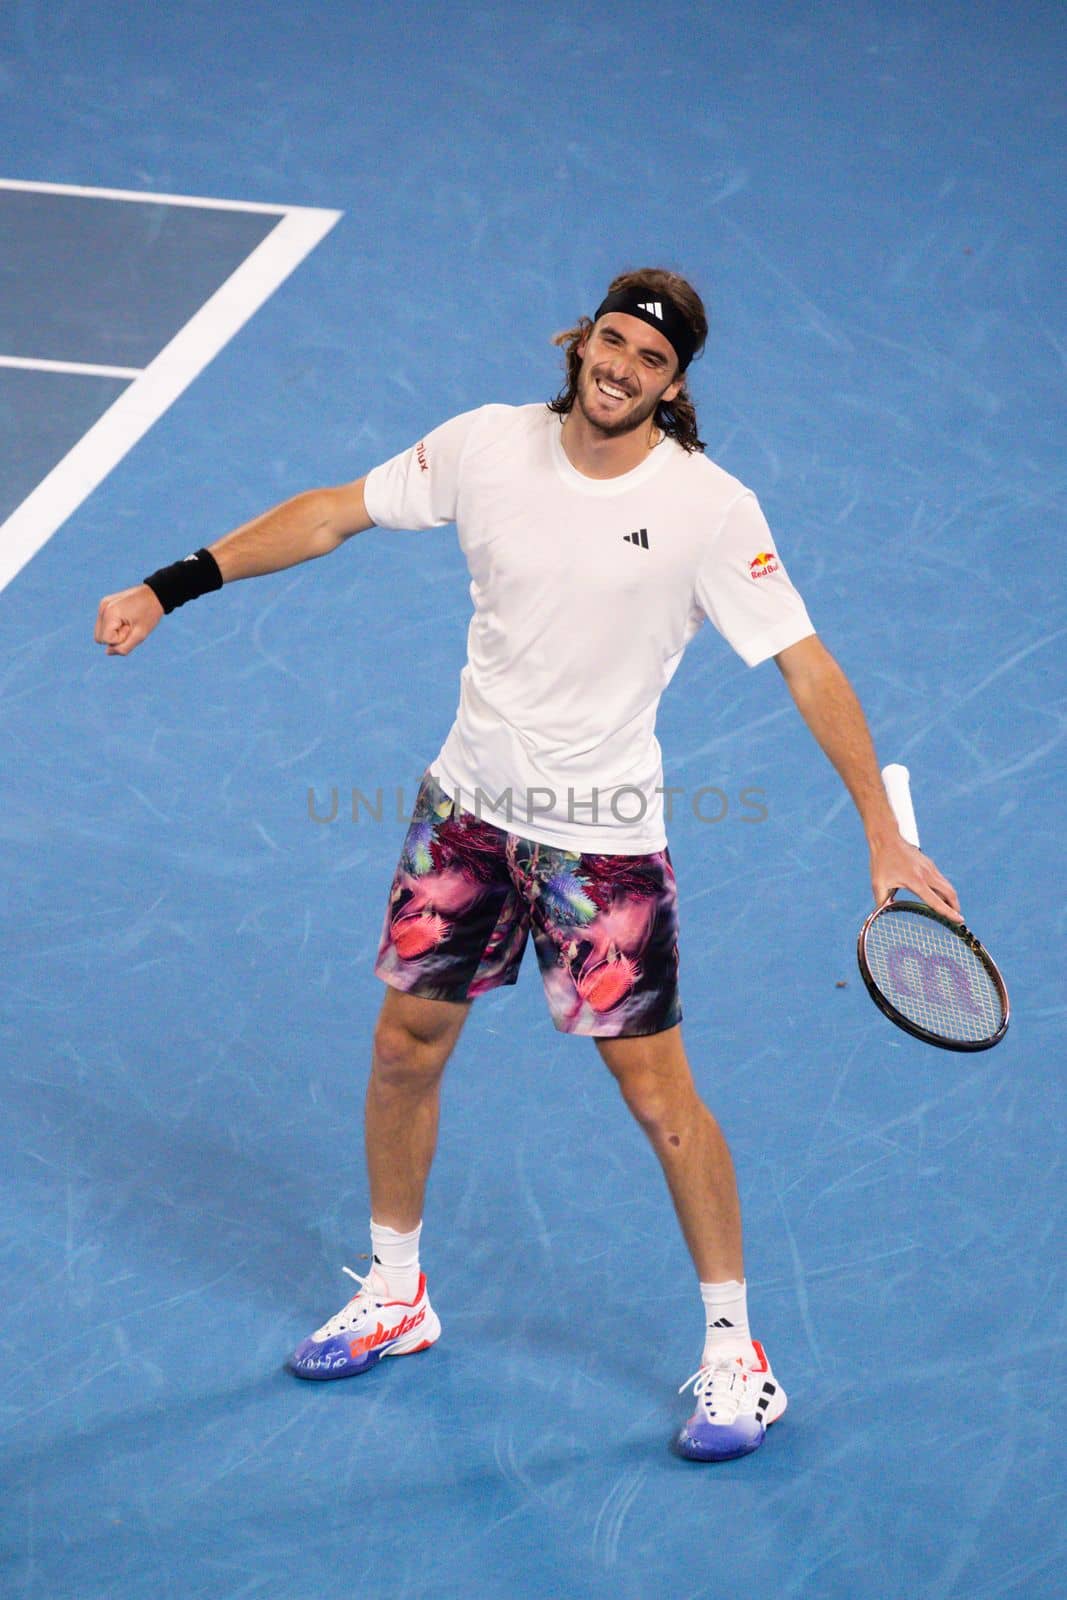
(763, 565)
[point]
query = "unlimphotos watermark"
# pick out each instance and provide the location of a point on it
(624, 805)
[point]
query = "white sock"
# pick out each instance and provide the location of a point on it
(396, 1256)
(726, 1315)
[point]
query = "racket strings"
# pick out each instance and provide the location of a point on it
(933, 977)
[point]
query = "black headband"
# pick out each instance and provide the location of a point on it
(660, 313)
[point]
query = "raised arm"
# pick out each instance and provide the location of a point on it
(300, 529)
(309, 525)
(828, 704)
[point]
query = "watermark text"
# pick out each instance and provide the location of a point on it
(621, 806)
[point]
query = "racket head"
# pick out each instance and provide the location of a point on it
(932, 977)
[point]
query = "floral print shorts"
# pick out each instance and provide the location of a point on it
(467, 895)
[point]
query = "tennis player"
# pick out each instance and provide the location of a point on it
(599, 538)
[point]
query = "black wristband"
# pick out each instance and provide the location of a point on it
(185, 580)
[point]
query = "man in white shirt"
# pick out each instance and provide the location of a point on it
(598, 538)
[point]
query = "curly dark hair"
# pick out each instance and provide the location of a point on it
(678, 418)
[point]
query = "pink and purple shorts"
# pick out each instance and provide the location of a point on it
(467, 895)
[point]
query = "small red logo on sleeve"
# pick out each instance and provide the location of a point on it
(420, 456)
(763, 565)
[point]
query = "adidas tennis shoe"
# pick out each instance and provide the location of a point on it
(736, 1403)
(369, 1327)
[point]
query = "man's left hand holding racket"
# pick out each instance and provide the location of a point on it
(896, 864)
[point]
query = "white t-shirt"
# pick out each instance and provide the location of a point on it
(586, 592)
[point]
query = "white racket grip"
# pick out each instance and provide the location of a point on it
(898, 788)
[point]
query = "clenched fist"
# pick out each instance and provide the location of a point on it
(125, 619)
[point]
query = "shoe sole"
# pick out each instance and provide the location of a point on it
(332, 1377)
(685, 1454)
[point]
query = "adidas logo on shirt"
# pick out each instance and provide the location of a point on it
(653, 307)
(639, 538)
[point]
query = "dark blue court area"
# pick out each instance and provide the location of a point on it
(94, 282)
(870, 198)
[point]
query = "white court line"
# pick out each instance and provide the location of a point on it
(83, 468)
(143, 196)
(81, 369)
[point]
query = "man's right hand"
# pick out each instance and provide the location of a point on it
(123, 620)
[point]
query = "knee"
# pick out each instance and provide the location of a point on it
(662, 1108)
(404, 1059)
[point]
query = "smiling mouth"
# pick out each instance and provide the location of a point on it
(611, 391)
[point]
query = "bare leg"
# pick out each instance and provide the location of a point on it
(657, 1085)
(412, 1042)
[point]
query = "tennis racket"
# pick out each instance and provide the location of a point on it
(929, 975)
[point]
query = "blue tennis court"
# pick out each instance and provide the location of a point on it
(249, 251)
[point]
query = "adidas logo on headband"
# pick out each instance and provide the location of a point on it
(662, 315)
